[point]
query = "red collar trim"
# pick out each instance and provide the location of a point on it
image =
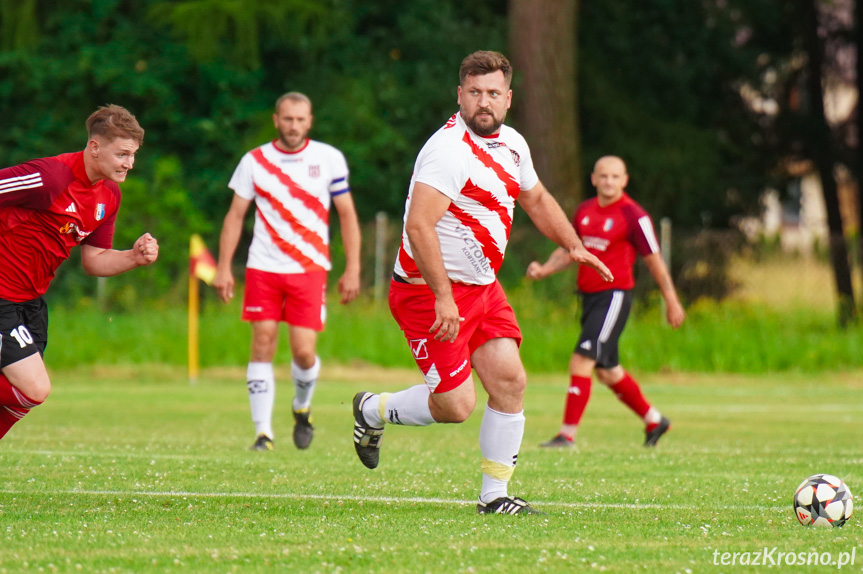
(280, 150)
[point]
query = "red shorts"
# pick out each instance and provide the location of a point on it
(446, 365)
(298, 299)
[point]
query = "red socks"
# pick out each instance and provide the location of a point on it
(576, 399)
(629, 393)
(13, 405)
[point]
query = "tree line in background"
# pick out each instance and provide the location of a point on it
(707, 101)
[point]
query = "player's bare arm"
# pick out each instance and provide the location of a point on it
(673, 309)
(349, 282)
(549, 218)
(557, 261)
(428, 206)
(232, 228)
(100, 262)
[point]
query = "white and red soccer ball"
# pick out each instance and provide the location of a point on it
(823, 500)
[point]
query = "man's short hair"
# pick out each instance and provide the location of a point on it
(112, 122)
(484, 62)
(295, 97)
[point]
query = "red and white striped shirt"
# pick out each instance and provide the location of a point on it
(47, 206)
(614, 233)
(483, 177)
(292, 193)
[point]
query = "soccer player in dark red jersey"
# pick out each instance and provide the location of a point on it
(614, 228)
(48, 206)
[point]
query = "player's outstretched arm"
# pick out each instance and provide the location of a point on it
(673, 309)
(549, 218)
(557, 261)
(109, 262)
(232, 228)
(349, 282)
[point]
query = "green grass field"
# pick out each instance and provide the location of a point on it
(132, 469)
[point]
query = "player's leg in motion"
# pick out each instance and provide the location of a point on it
(499, 368)
(24, 382)
(305, 369)
(628, 391)
(577, 397)
(261, 382)
(30, 375)
(410, 407)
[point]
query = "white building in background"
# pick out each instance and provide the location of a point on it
(799, 219)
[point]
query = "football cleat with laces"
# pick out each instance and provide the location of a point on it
(367, 439)
(506, 505)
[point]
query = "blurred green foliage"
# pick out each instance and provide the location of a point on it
(659, 85)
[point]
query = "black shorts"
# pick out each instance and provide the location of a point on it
(603, 317)
(23, 330)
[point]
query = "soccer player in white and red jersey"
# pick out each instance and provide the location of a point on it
(47, 207)
(293, 181)
(445, 295)
(614, 228)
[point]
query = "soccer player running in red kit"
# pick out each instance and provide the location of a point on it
(614, 228)
(292, 181)
(47, 207)
(444, 293)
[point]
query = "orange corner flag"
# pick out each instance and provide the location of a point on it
(202, 264)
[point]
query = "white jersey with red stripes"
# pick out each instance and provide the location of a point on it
(292, 193)
(483, 177)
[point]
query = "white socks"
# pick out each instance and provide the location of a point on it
(304, 384)
(409, 407)
(262, 394)
(652, 416)
(500, 437)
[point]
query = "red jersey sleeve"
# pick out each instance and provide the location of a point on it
(34, 184)
(641, 233)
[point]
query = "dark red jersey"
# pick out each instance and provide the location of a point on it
(615, 234)
(47, 206)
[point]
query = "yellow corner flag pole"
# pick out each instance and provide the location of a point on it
(202, 265)
(194, 303)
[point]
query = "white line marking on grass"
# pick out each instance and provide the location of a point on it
(380, 499)
(117, 454)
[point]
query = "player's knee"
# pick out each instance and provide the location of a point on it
(305, 358)
(452, 411)
(513, 387)
(263, 350)
(38, 391)
(456, 413)
(609, 377)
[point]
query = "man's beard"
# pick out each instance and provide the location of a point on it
(480, 129)
(287, 142)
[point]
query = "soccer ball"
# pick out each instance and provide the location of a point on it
(823, 500)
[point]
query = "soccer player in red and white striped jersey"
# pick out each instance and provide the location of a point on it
(292, 181)
(615, 229)
(445, 295)
(47, 207)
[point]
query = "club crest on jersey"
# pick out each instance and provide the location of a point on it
(314, 171)
(609, 223)
(585, 220)
(419, 349)
(515, 157)
(100, 211)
